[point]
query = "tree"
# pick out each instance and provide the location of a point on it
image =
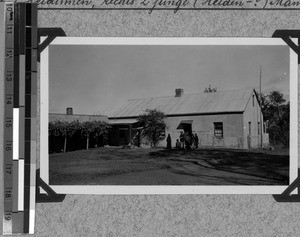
(96, 128)
(276, 98)
(153, 125)
(64, 128)
(277, 113)
(101, 128)
(52, 129)
(210, 89)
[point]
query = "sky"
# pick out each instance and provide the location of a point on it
(99, 79)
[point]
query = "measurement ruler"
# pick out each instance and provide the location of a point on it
(20, 81)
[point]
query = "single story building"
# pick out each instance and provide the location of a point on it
(231, 119)
(69, 117)
(77, 141)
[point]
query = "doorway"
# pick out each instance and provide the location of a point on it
(186, 126)
(249, 135)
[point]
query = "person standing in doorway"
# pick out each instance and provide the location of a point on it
(196, 140)
(181, 139)
(178, 144)
(192, 141)
(187, 141)
(169, 142)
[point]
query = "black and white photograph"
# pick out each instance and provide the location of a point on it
(186, 115)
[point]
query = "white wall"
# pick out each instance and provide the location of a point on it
(203, 125)
(252, 114)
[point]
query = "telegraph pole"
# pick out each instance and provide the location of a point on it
(260, 116)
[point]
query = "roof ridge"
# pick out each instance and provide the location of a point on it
(79, 114)
(226, 101)
(191, 94)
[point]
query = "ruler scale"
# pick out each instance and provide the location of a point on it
(17, 211)
(33, 114)
(27, 116)
(15, 116)
(8, 126)
(20, 117)
(21, 108)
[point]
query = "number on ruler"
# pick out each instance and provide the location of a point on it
(8, 147)
(9, 8)
(9, 53)
(8, 193)
(7, 216)
(8, 123)
(8, 170)
(9, 100)
(9, 29)
(9, 76)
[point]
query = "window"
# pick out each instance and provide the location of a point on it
(218, 132)
(249, 128)
(258, 128)
(162, 134)
(253, 100)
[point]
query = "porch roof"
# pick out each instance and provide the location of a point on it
(122, 121)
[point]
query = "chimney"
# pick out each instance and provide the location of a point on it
(178, 92)
(69, 111)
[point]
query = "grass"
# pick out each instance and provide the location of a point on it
(117, 166)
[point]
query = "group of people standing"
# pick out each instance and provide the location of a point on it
(186, 141)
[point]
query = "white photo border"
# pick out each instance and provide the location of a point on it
(166, 189)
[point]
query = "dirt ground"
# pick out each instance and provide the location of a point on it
(117, 166)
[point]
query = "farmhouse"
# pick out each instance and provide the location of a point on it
(231, 119)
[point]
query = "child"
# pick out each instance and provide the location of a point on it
(178, 144)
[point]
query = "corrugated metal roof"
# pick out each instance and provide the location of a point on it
(123, 121)
(215, 102)
(79, 117)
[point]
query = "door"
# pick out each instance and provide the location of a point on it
(187, 128)
(123, 136)
(186, 125)
(249, 136)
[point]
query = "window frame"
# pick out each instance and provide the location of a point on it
(218, 129)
